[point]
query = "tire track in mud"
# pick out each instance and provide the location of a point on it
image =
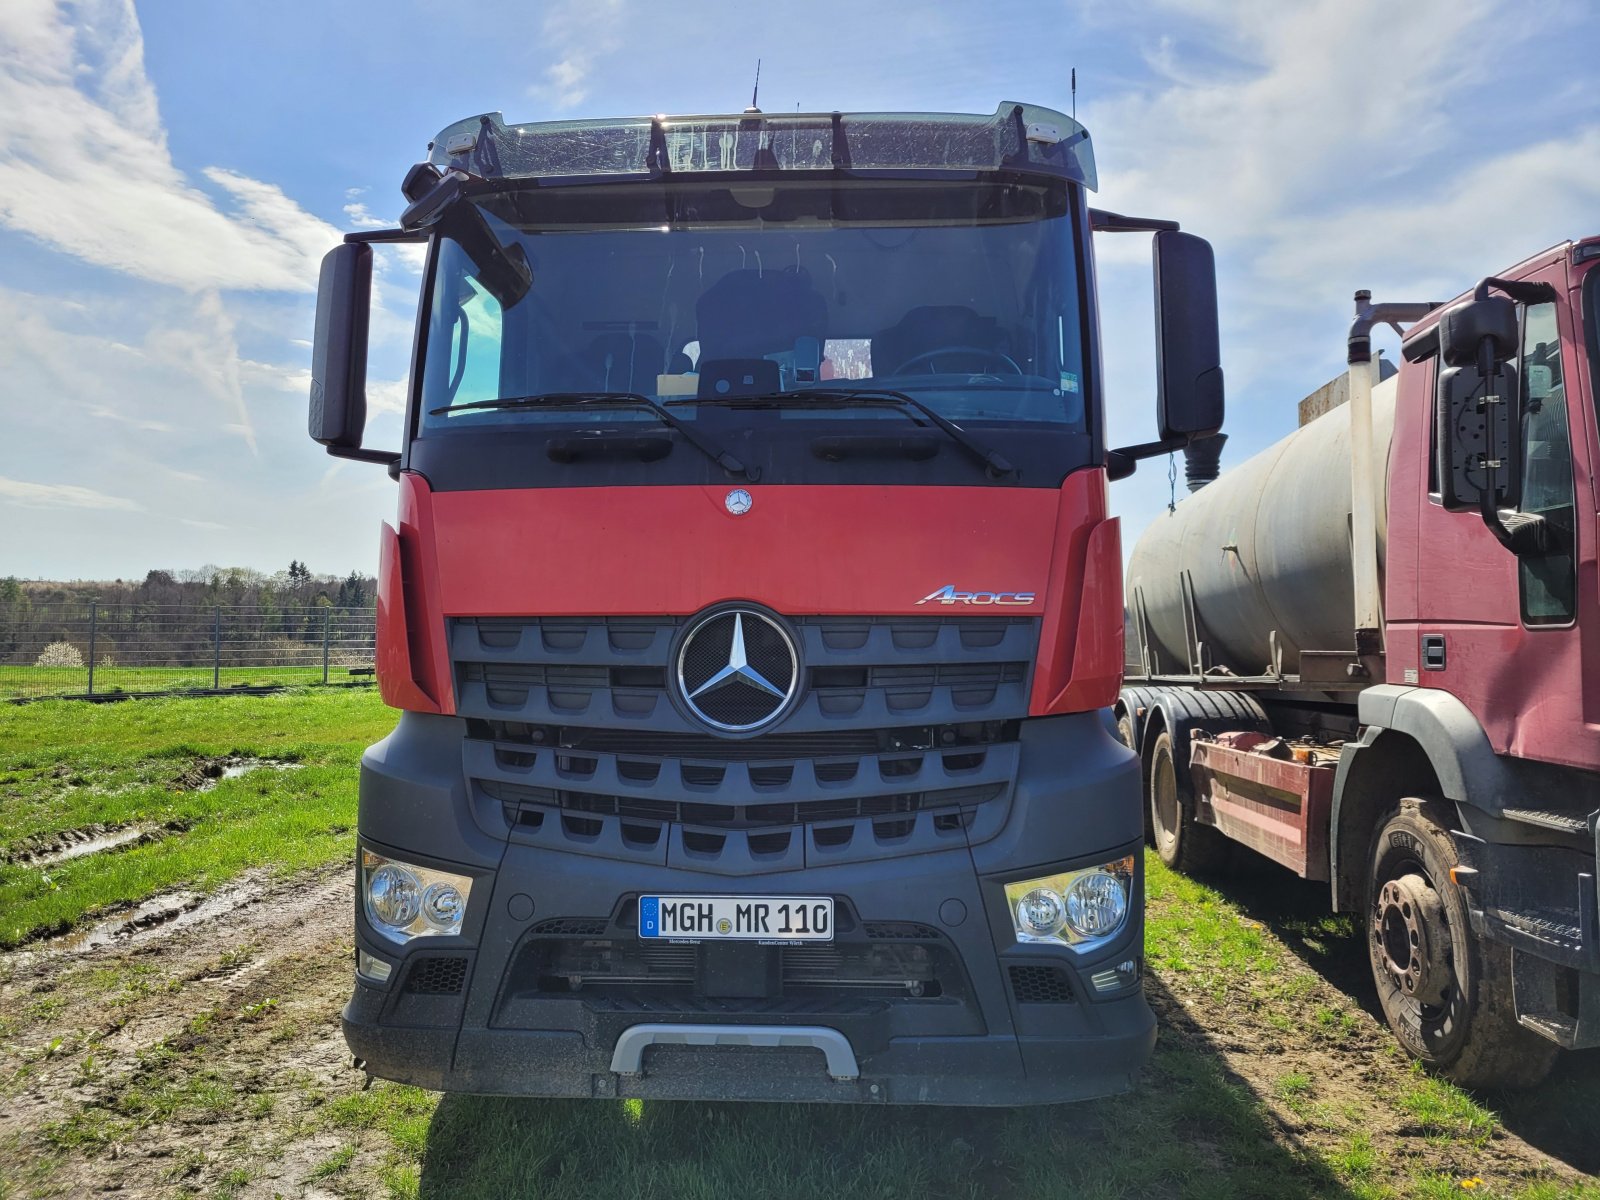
(165, 1047)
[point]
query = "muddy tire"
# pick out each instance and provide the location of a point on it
(1445, 992)
(1180, 840)
(1125, 731)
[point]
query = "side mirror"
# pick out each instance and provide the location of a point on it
(339, 352)
(338, 413)
(1189, 394)
(1477, 408)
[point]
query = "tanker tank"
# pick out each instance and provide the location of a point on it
(1266, 547)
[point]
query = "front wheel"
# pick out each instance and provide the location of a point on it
(1445, 992)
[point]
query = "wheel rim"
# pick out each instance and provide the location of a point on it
(1407, 920)
(1430, 1011)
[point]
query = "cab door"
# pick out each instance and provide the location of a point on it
(1502, 632)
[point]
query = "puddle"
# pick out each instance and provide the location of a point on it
(206, 773)
(76, 843)
(150, 920)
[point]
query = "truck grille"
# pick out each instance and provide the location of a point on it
(903, 737)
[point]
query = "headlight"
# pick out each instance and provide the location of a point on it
(1073, 908)
(404, 901)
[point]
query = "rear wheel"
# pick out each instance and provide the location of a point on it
(1125, 735)
(1125, 730)
(1445, 992)
(1180, 840)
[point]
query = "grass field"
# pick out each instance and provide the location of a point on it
(26, 682)
(178, 1034)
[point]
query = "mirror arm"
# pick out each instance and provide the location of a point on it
(1520, 291)
(1520, 533)
(1124, 460)
(1102, 221)
(360, 455)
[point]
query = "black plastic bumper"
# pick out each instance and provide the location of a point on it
(984, 1039)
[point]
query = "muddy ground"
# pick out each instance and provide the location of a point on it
(192, 1046)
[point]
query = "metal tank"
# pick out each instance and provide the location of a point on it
(1264, 548)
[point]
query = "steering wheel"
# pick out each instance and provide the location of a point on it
(930, 357)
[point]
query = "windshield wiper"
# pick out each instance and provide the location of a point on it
(615, 399)
(993, 461)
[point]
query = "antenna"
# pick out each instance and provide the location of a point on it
(755, 91)
(1074, 91)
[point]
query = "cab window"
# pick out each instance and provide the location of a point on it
(1548, 579)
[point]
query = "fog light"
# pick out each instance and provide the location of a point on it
(404, 900)
(370, 966)
(1125, 974)
(1096, 905)
(1074, 908)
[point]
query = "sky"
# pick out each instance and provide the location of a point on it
(172, 172)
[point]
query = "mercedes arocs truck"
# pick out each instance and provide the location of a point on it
(754, 613)
(1371, 652)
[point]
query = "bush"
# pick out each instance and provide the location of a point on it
(60, 654)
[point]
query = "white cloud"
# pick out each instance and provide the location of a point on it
(1325, 146)
(84, 164)
(60, 495)
(579, 33)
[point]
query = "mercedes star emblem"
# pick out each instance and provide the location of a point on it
(738, 670)
(738, 502)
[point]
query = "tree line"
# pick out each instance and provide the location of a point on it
(169, 615)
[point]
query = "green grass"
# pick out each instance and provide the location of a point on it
(67, 765)
(1192, 1129)
(26, 681)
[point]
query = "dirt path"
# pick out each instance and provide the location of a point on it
(186, 1045)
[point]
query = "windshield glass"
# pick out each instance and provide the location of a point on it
(963, 295)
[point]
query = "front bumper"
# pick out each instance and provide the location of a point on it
(1544, 903)
(986, 1022)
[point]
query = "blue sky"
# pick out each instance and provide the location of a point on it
(170, 174)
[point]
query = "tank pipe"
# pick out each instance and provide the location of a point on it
(1363, 468)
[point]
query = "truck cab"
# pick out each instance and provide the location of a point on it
(752, 611)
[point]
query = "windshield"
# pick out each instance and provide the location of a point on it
(962, 295)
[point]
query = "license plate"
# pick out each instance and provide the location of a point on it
(737, 918)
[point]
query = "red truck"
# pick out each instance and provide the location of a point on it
(1372, 653)
(753, 612)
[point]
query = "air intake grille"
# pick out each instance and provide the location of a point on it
(1040, 985)
(902, 736)
(437, 976)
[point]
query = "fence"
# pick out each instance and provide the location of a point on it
(99, 649)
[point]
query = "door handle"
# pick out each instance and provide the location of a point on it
(1433, 652)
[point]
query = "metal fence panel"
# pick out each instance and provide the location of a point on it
(99, 649)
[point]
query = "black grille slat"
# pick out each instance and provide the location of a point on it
(734, 816)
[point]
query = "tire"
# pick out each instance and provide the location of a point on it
(1180, 841)
(1125, 735)
(1449, 1004)
(1125, 731)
